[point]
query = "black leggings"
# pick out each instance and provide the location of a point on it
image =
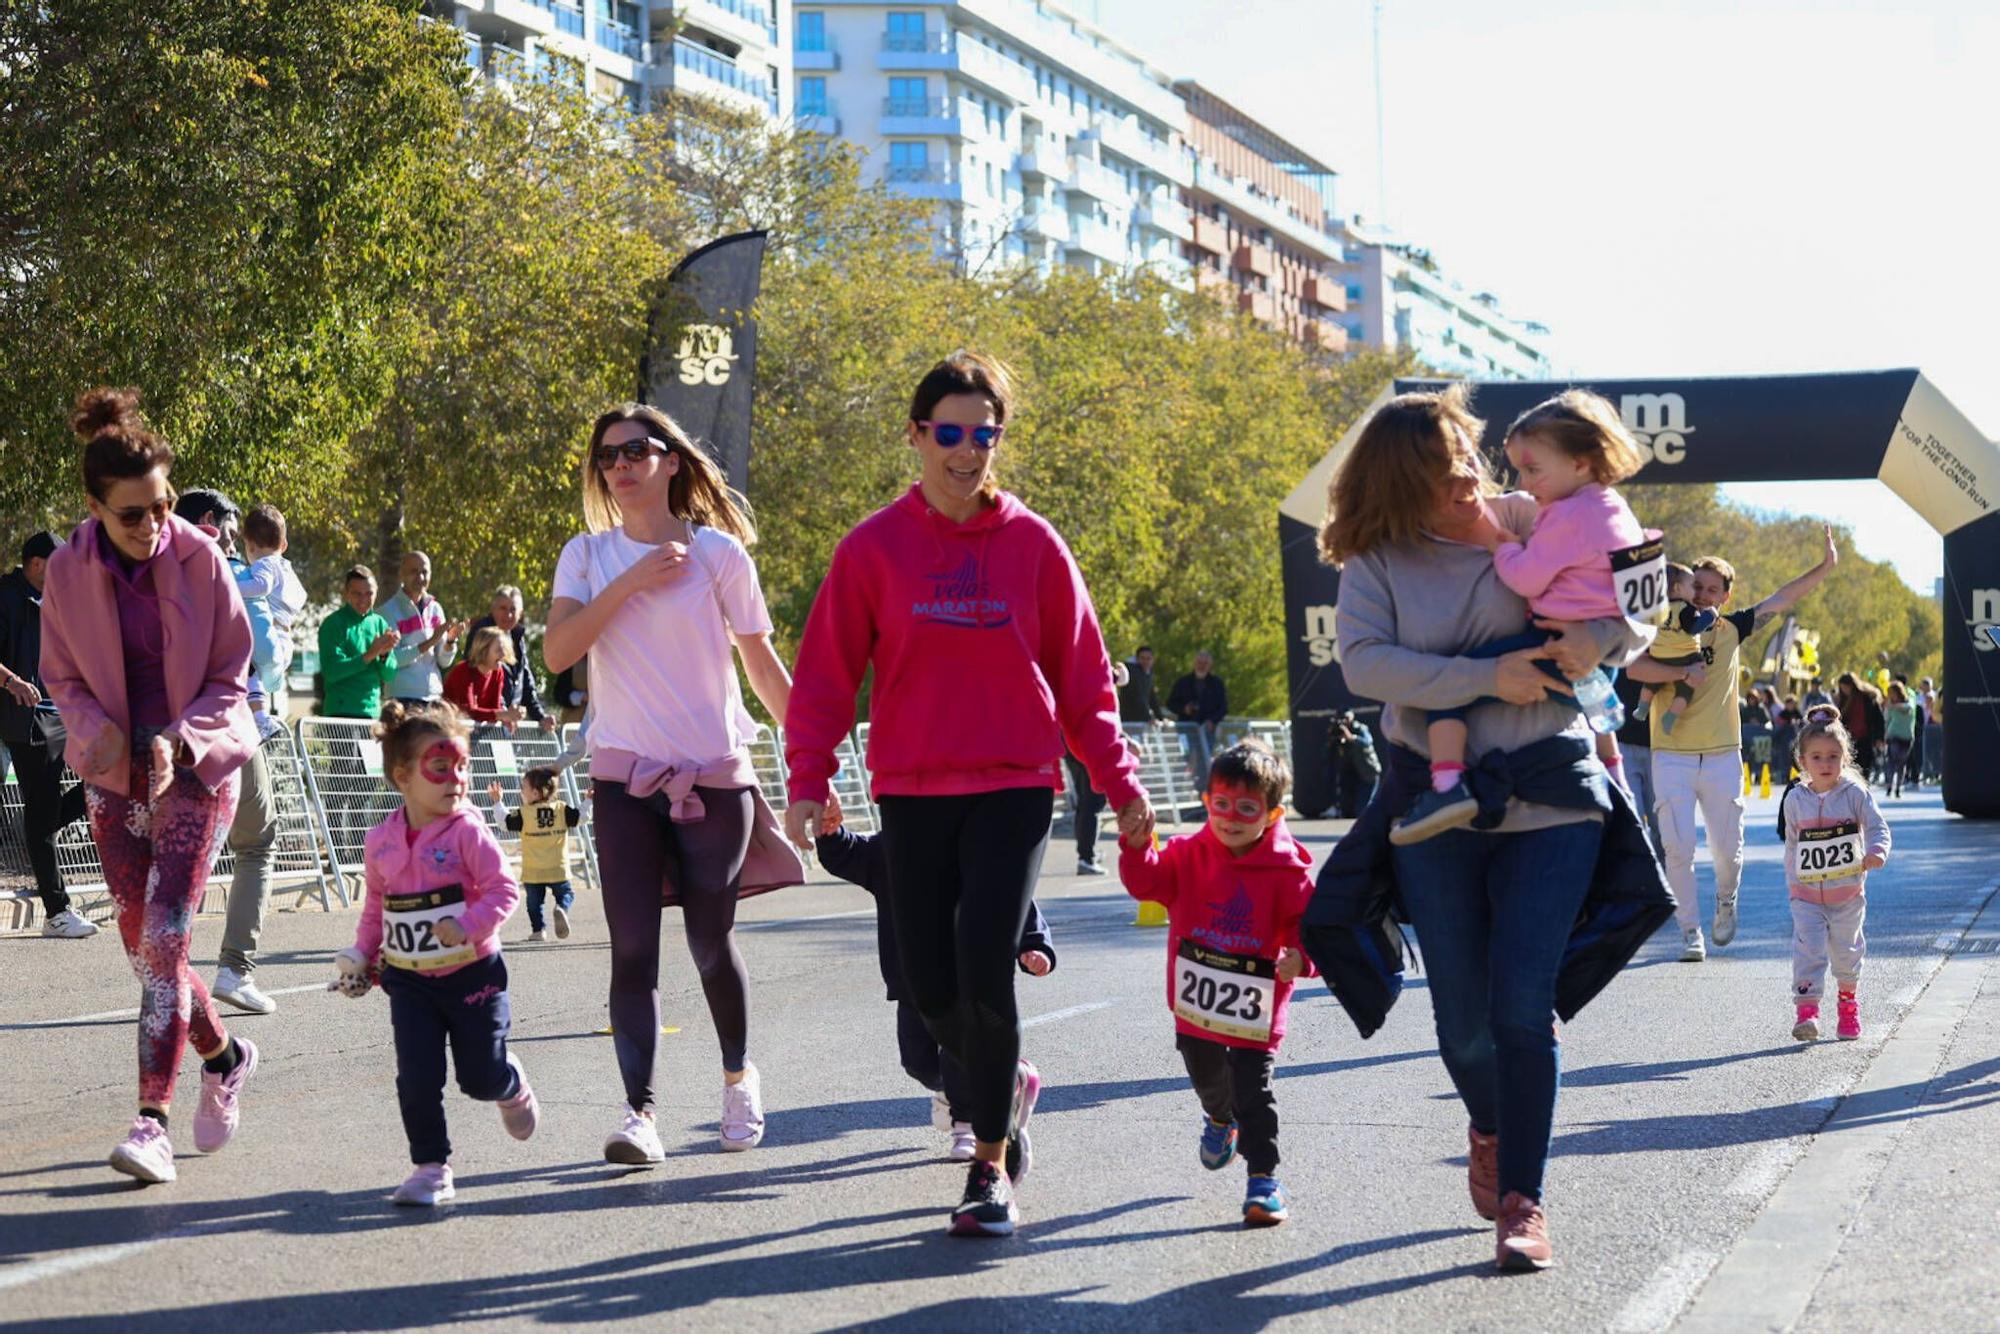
(640, 850)
(962, 872)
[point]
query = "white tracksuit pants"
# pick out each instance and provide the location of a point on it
(1825, 933)
(1715, 783)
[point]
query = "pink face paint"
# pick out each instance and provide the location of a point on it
(445, 761)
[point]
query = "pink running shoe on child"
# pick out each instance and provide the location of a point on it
(1806, 1026)
(428, 1186)
(1850, 1017)
(520, 1113)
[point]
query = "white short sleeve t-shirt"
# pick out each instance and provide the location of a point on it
(663, 674)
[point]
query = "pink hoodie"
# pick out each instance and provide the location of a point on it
(206, 654)
(456, 850)
(1564, 568)
(1244, 906)
(987, 658)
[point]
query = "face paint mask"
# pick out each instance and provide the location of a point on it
(445, 761)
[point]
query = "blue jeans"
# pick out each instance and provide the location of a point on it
(467, 1011)
(538, 894)
(1500, 648)
(1493, 914)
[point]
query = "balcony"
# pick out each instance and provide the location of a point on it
(707, 72)
(821, 117)
(1255, 259)
(1028, 26)
(1163, 213)
(1326, 334)
(620, 40)
(1093, 178)
(1126, 138)
(1257, 305)
(921, 116)
(976, 64)
(1329, 293)
(822, 57)
(569, 19)
(1047, 224)
(537, 16)
(1214, 280)
(1210, 235)
(747, 22)
(929, 180)
(1041, 162)
(1098, 238)
(1267, 212)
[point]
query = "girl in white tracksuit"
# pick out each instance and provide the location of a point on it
(1834, 836)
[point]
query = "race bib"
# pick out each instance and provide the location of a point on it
(1229, 994)
(1832, 853)
(1639, 578)
(409, 930)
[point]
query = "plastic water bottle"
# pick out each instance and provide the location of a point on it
(1599, 702)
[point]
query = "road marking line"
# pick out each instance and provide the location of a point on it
(794, 921)
(1070, 1013)
(22, 1275)
(1654, 1306)
(134, 1014)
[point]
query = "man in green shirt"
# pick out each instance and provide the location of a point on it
(356, 650)
(1700, 762)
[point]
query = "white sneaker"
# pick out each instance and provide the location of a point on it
(941, 1111)
(743, 1112)
(145, 1154)
(560, 918)
(67, 925)
(232, 988)
(636, 1143)
(1724, 930)
(964, 1144)
(1692, 948)
(1085, 866)
(537, 937)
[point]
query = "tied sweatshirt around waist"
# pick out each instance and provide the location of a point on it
(1847, 803)
(987, 655)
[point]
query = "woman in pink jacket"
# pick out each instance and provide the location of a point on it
(146, 652)
(987, 659)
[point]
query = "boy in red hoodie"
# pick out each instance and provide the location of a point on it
(1234, 894)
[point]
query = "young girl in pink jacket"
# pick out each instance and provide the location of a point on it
(1588, 559)
(146, 654)
(438, 890)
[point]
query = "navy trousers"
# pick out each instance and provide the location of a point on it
(466, 1009)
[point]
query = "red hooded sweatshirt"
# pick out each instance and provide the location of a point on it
(1226, 918)
(987, 657)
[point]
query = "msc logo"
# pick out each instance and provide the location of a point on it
(1985, 621)
(1321, 650)
(707, 354)
(1659, 422)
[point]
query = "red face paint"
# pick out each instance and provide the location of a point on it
(1236, 803)
(445, 761)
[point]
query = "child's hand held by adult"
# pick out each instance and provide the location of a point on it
(1517, 680)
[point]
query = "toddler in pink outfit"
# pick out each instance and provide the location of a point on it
(1587, 559)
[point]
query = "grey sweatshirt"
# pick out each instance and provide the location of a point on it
(1848, 802)
(1407, 610)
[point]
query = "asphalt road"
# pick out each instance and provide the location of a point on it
(1688, 1116)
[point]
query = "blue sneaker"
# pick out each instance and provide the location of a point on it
(1218, 1144)
(1434, 813)
(1265, 1203)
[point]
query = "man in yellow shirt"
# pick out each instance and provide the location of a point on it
(1700, 762)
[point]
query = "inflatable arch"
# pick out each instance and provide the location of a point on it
(1891, 425)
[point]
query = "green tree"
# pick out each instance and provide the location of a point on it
(219, 203)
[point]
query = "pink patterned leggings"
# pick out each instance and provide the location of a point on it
(156, 859)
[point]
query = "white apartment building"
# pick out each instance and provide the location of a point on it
(1039, 138)
(624, 51)
(1396, 298)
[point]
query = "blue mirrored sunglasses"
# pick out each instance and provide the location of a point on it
(950, 435)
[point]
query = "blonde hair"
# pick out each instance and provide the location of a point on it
(485, 637)
(1386, 489)
(697, 494)
(1584, 426)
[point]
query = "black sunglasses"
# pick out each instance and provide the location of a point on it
(606, 456)
(950, 435)
(134, 515)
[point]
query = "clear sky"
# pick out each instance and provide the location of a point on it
(1710, 187)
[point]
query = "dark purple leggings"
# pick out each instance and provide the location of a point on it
(640, 850)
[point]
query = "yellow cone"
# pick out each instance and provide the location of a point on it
(1748, 786)
(1764, 782)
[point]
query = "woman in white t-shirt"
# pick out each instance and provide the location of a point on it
(656, 592)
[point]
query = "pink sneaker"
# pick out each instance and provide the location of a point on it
(145, 1154)
(215, 1120)
(1850, 1018)
(428, 1186)
(1806, 1027)
(520, 1113)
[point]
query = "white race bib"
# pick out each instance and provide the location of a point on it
(409, 930)
(1832, 853)
(1230, 994)
(1639, 578)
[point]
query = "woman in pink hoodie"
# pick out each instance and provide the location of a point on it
(987, 659)
(146, 652)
